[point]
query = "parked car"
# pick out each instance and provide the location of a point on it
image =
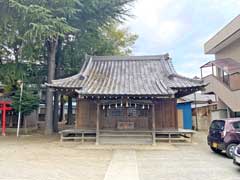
(224, 135)
(236, 156)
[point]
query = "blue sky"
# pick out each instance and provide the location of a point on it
(180, 27)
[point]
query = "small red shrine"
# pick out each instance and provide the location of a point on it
(4, 107)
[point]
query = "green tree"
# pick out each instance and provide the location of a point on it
(108, 40)
(46, 24)
(30, 100)
(53, 24)
(10, 74)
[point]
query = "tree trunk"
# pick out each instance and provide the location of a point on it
(69, 119)
(55, 111)
(52, 47)
(56, 94)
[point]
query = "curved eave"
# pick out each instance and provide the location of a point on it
(125, 94)
(62, 87)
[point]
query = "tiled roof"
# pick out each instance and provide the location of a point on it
(130, 75)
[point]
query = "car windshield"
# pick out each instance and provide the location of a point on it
(236, 125)
(218, 125)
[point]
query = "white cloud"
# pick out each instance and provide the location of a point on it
(153, 23)
(168, 31)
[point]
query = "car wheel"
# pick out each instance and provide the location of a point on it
(216, 150)
(230, 150)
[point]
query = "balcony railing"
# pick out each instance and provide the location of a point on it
(232, 81)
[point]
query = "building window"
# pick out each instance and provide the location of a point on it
(226, 78)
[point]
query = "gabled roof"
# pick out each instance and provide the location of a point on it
(128, 75)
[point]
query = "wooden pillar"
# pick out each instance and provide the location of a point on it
(61, 115)
(4, 119)
(97, 124)
(69, 111)
(153, 125)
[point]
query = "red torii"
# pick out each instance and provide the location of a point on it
(4, 107)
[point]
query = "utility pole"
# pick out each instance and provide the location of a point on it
(20, 106)
(196, 113)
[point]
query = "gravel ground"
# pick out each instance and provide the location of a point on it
(45, 158)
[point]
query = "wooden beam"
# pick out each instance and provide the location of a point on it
(119, 101)
(97, 124)
(153, 125)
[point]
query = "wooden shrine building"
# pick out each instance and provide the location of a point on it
(132, 93)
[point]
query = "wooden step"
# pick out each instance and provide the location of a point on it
(124, 135)
(126, 131)
(125, 140)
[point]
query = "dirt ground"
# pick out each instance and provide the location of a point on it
(39, 157)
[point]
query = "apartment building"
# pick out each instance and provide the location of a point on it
(223, 73)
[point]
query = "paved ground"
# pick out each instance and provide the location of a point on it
(40, 158)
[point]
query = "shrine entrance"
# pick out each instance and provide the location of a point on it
(128, 115)
(122, 118)
(4, 107)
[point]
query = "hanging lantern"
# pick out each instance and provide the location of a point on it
(135, 105)
(103, 107)
(109, 106)
(143, 107)
(116, 106)
(148, 106)
(121, 104)
(126, 104)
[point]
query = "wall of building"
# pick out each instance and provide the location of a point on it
(187, 114)
(204, 116)
(231, 51)
(86, 114)
(235, 81)
(166, 114)
(221, 104)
